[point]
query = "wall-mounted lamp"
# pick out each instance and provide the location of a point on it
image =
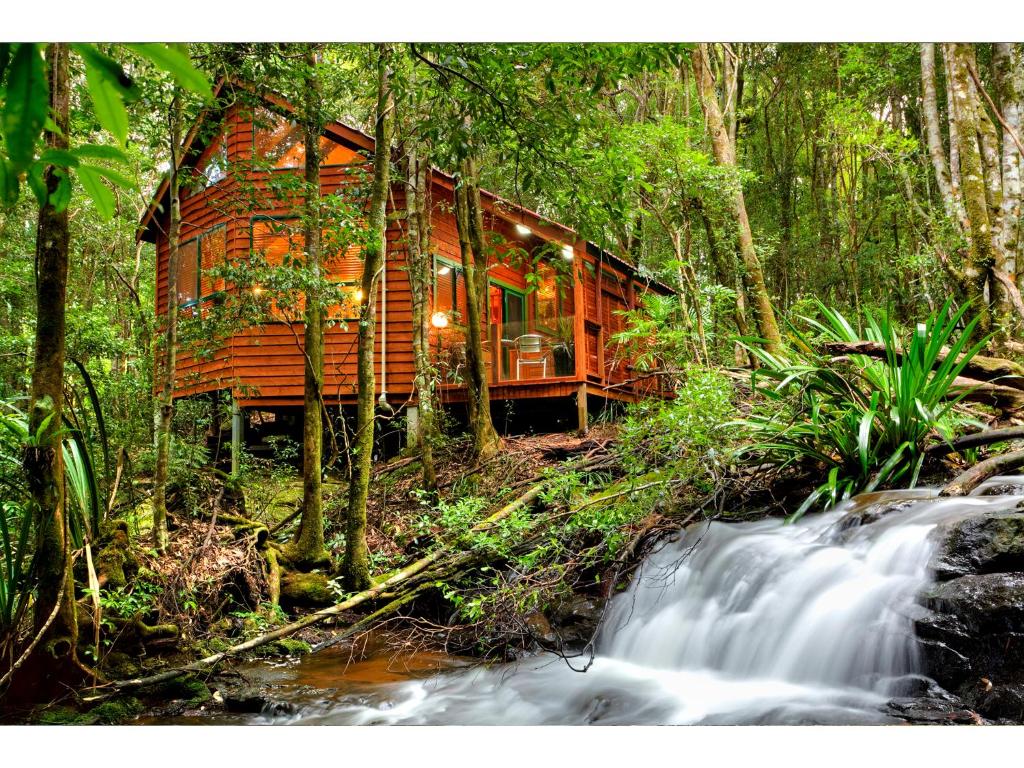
(439, 320)
(256, 290)
(444, 270)
(523, 230)
(567, 252)
(357, 294)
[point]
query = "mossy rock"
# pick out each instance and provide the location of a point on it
(188, 689)
(117, 711)
(306, 589)
(286, 646)
(63, 716)
(121, 665)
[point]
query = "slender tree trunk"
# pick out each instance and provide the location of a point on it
(980, 257)
(309, 538)
(169, 352)
(1008, 65)
(933, 134)
(955, 176)
(724, 152)
(417, 180)
(469, 220)
(357, 561)
(44, 465)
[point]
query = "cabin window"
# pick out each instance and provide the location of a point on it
(279, 143)
(449, 289)
(215, 168)
(277, 140)
(213, 251)
(276, 239)
(188, 273)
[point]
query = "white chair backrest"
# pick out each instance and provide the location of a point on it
(530, 342)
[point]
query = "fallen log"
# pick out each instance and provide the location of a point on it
(349, 603)
(1000, 396)
(980, 367)
(967, 481)
(976, 440)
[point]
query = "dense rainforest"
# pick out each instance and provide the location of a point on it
(833, 234)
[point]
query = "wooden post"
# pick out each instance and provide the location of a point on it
(579, 308)
(581, 407)
(236, 436)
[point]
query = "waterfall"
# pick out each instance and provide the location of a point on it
(757, 622)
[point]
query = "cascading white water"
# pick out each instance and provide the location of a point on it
(728, 623)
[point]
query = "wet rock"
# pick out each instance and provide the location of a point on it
(933, 710)
(872, 511)
(974, 631)
(255, 701)
(575, 619)
(1003, 702)
(991, 543)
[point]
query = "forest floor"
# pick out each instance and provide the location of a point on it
(210, 591)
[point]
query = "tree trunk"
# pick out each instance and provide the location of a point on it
(469, 221)
(44, 464)
(1008, 66)
(309, 538)
(357, 561)
(169, 353)
(724, 152)
(980, 257)
(417, 181)
(933, 134)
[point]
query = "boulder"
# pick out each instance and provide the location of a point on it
(991, 543)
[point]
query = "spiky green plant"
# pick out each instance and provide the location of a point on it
(82, 500)
(864, 420)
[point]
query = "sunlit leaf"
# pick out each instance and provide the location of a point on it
(26, 104)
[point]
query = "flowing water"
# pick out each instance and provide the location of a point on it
(726, 623)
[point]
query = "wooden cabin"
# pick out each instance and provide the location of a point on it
(553, 300)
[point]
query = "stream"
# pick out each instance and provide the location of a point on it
(725, 623)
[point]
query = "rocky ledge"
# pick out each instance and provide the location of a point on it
(972, 628)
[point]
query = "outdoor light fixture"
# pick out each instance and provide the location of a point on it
(358, 294)
(439, 320)
(256, 290)
(567, 252)
(523, 230)
(444, 270)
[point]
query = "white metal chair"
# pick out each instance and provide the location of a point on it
(530, 349)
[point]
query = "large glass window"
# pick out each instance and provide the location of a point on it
(213, 250)
(279, 143)
(215, 167)
(552, 295)
(188, 272)
(450, 289)
(273, 239)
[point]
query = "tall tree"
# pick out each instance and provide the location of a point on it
(725, 154)
(168, 351)
(54, 610)
(469, 221)
(418, 206)
(357, 563)
(309, 538)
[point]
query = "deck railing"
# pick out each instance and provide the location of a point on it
(513, 352)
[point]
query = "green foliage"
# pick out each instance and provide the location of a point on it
(659, 433)
(865, 421)
(16, 518)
